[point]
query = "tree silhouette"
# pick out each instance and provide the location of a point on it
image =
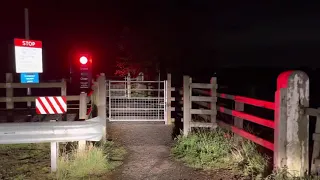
(133, 56)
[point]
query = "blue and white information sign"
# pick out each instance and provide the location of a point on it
(29, 77)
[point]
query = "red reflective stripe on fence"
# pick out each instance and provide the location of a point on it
(90, 93)
(255, 102)
(225, 96)
(89, 110)
(248, 117)
(250, 101)
(247, 135)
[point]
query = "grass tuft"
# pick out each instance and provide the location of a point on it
(93, 162)
(220, 149)
(32, 161)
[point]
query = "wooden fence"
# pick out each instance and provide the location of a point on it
(10, 99)
(207, 101)
(290, 124)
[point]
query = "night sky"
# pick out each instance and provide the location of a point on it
(182, 35)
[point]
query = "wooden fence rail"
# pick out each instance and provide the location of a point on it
(10, 99)
(237, 128)
(290, 124)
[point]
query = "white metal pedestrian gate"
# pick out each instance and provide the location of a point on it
(137, 101)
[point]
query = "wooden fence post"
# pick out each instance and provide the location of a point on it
(9, 96)
(291, 138)
(213, 103)
(82, 116)
(316, 148)
(168, 89)
(186, 104)
(9, 91)
(94, 95)
(83, 106)
(64, 93)
(64, 87)
(238, 122)
(280, 128)
(129, 86)
(101, 103)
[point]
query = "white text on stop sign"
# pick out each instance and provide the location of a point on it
(28, 43)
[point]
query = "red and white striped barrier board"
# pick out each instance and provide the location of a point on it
(51, 105)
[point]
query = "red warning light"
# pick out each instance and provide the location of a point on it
(83, 60)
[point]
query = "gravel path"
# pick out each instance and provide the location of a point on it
(148, 147)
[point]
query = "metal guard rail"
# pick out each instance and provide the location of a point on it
(61, 131)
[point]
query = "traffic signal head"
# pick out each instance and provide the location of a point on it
(85, 71)
(83, 60)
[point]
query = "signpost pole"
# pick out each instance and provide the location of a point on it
(26, 31)
(26, 23)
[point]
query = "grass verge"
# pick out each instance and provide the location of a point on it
(219, 149)
(32, 161)
(284, 174)
(91, 163)
(21, 161)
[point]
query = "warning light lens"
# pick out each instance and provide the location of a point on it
(83, 60)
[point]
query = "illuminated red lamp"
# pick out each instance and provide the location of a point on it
(83, 60)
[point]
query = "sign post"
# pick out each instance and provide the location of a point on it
(26, 31)
(28, 57)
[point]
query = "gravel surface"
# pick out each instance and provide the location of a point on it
(148, 158)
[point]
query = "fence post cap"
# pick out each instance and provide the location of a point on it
(283, 78)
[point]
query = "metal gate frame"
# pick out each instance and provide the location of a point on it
(128, 103)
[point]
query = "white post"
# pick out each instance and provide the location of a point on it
(291, 125)
(54, 148)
